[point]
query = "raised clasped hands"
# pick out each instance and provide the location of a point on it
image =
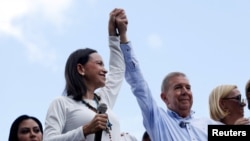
(118, 22)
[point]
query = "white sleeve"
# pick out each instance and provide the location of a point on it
(55, 122)
(116, 73)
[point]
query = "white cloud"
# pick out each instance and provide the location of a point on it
(51, 10)
(11, 14)
(45, 57)
(10, 10)
(54, 10)
(154, 41)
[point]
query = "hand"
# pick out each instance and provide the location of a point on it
(121, 22)
(99, 122)
(112, 21)
(242, 121)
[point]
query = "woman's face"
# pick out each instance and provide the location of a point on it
(95, 73)
(29, 131)
(233, 104)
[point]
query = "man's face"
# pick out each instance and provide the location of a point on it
(179, 95)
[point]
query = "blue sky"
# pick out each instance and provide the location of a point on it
(207, 40)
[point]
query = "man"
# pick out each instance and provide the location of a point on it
(247, 90)
(177, 123)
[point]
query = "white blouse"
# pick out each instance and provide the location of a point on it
(65, 116)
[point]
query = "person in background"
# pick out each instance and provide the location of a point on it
(145, 136)
(26, 128)
(127, 137)
(226, 105)
(247, 92)
(75, 115)
(177, 123)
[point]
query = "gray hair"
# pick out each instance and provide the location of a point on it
(168, 77)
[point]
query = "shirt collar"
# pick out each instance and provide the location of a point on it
(175, 115)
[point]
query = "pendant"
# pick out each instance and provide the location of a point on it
(108, 126)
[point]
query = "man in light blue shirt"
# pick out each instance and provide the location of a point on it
(177, 123)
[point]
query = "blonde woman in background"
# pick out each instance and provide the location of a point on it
(227, 106)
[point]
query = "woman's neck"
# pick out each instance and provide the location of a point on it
(88, 95)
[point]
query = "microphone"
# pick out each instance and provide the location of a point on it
(101, 109)
(183, 124)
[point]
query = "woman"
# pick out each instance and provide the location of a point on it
(26, 128)
(76, 116)
(226, 105)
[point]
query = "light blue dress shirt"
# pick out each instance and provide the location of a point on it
(161, 125)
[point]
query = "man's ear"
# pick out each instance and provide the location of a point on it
(164, 97)
(80, 69)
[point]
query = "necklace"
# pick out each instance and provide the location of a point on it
(91, 107)
(97, 99)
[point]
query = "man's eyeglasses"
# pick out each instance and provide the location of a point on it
(238, 98)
